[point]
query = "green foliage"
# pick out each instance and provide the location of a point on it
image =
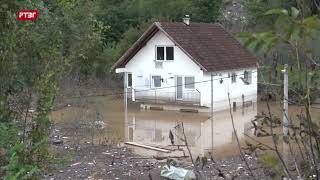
(293, 32)
(306, 168)
(270, 160)
(33, 56)
(311, 79)
(257, 8)
(288, 30)
(21, 164)
(113, 52)
(121, 15)
(128, 19)
(8, 132)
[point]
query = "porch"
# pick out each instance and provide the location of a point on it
(160, 96)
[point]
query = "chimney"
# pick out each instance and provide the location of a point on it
(186, 20)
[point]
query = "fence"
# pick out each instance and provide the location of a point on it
(165, 97)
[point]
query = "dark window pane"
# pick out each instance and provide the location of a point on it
(129, 80)
(189, 82)
(156, 81)
(169, 52)
(160, 53)
(248, 76)
(233, 77)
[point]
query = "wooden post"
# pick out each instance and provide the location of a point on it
(211, 111)
(243, 105)
(285, 101)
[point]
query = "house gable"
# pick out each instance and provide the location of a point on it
(143, 62)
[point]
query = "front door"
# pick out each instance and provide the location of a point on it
(179, 88)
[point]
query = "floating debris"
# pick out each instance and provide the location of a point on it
(75, 164)
(57, 141)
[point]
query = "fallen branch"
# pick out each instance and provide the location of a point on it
(269, 147)
(160, 157)
(147, 147)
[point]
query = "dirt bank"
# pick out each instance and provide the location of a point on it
(103, 162)
(87, 161)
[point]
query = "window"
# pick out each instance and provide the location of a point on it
(156, 81)
(169, 53)
(189, 82)
(234, 105)
(129, 80)
(233, 77)
(247, 76)
(164, 53)
(160, 53)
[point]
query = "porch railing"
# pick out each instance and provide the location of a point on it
(164, 97)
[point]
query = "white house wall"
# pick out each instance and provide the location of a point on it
(142, 66)
(220, 90)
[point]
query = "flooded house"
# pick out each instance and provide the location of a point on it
(179, 65)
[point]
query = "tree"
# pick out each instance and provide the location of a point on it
(295, 30)
(128, 19)
(34, 55)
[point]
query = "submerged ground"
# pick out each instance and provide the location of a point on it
(88, 136)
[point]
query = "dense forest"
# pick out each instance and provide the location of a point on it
(87, 36)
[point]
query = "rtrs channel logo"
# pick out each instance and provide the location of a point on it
(27, 15)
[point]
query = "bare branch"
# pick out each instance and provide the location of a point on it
(275, 145)
(236, 135)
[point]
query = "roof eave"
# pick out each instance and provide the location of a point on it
(121, 60)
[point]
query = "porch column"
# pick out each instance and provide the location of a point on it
(125, 91)
(133, 95)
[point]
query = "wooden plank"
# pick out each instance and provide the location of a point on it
(156, 108)
(160, 157)
(189, 110)
(147, 147)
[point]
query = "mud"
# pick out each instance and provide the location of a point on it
(105, 162)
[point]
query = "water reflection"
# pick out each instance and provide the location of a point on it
(79, 123)
(152, 128)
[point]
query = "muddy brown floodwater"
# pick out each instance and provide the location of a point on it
(93, 131)
(101, 120)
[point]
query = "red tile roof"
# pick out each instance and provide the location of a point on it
(208, 45)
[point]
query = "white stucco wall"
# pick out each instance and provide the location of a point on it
(236, 89)
(142, 67)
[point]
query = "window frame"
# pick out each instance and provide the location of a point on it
(246, 75)
(129, 86)
(153, 82)
(248, 79)
(166, 57)
(164, 53)
(184, 81)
